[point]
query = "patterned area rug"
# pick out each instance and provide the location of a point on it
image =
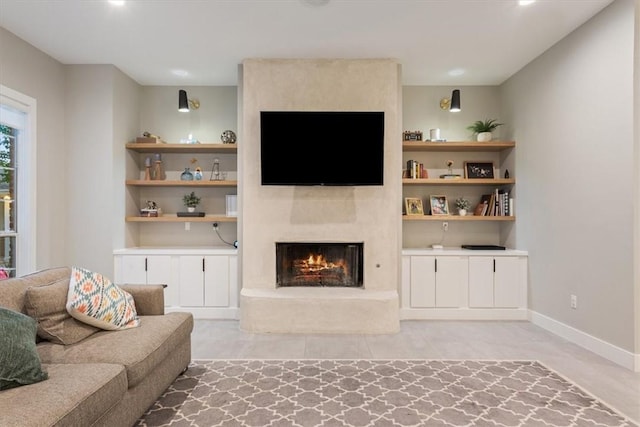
(332, 393)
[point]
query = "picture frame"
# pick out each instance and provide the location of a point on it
(413, 206)
(479, 170)
(439, 205)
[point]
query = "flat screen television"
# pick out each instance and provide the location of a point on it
(331, 148)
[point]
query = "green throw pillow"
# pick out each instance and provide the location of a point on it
(19, 360)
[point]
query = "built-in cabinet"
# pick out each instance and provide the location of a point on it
(438, 281)
(203, 281)
(463, 284)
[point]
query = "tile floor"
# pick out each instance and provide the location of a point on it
(428, 339)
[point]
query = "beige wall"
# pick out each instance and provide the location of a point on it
(571, 111)
(27, 70)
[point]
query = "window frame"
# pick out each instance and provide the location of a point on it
(26, 177)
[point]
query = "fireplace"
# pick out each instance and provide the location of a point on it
(319, 264)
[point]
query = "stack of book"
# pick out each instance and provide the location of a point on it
(497, 203)
(415, 170)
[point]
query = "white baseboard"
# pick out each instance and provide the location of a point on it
(463, 314)
(602, 348)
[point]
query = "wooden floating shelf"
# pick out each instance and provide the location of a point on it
(175, 218)
(460, 181)
(204, 147)
(180, 183)
(457, 146)
(456, 218)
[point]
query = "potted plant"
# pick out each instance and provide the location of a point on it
(463, 205)
(483, 129)
(191, 201)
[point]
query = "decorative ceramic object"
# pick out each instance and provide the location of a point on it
(186, 175)
(462, 212)
(191, 209)
(228, 137)
(484, 136)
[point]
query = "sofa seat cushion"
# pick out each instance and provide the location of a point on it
(139, 349)
(89, 391)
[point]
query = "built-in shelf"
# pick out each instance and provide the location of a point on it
(457, 146)
(175, 218)
(457, 218)
(460, 181)
(180, 183)
(204, 147)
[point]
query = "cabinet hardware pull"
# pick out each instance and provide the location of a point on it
(145, 264)
(494, 265)
(202, 264)
(436, 265)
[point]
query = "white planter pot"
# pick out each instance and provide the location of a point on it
(191, 209)
(462, 212)
(484, 136)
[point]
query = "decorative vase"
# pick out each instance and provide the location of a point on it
(186, 175)
(484, 136)
(462, 212)
(191, 208)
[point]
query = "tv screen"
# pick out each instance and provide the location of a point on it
(322, 147)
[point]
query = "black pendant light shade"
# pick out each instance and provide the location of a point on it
(183, 103)
(455, 101)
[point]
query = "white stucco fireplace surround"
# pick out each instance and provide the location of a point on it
(368, 214)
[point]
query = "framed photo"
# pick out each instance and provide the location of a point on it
(478, 170)
(413, 206)
(439, 205)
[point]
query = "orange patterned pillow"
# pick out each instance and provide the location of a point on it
(95, 300)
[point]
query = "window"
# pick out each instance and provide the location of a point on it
(17, 187)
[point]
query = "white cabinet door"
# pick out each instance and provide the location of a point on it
(438, 281)
(506, 283)
(204, 281)
(480, 282)
(191, 281)
(216, 281)
(133, 270)
(494, 282)
(451, 280)
(423, 281)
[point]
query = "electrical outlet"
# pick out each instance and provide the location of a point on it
(574, 301)
(215, 225)
(445, 226)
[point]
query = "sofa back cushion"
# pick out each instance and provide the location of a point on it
(14, 290)
(47, 305)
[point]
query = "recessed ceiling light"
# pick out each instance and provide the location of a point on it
(526, 2)
(180, 73)
(456, 72)
(117, 2)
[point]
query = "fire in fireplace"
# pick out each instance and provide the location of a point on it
(319, 264)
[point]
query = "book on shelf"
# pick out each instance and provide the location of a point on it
(416, 170)
(497, 203)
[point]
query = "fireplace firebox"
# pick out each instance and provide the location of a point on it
(319, 264)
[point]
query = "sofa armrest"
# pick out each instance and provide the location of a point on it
(149, 299)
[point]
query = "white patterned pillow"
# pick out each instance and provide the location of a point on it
(94, 300)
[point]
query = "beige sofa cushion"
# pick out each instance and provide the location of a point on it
(140, 349)
(14, 290)
(90, 390)
(47, 304)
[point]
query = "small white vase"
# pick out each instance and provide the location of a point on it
(484, 136)
(191, 209)
(462, 212)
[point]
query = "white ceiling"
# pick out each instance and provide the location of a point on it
(205, 40)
